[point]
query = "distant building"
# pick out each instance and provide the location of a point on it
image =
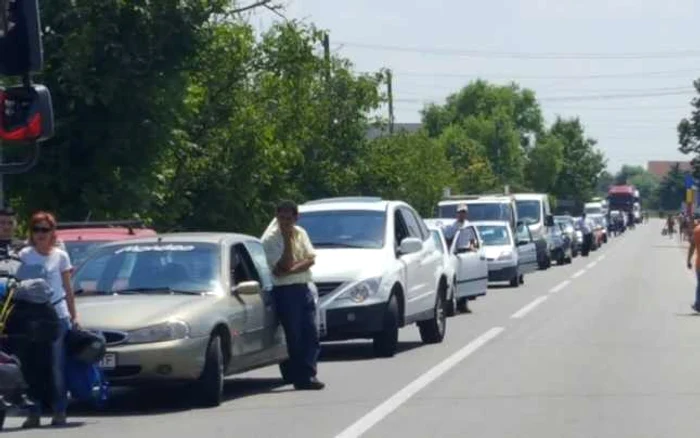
(375, 132)
(661, 168)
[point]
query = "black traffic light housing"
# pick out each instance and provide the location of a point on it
(26, 111)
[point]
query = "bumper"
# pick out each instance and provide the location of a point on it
(502, 273)
(354, 322)
(180, 360)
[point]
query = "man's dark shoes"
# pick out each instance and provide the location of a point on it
(312, 384)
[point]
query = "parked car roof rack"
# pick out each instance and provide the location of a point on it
(130, 224)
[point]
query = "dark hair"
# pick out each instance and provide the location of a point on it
(289, 206)
(7, 211)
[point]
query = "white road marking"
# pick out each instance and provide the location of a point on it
(527, 309)
(395, 401)
(579, 273)
(559, 287)
(590, 265)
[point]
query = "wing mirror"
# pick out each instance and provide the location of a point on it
(246, 288)
(549, 220)
(410, 245)
(523, 242)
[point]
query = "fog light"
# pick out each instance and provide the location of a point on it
(164, 369)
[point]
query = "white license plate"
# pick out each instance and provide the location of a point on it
(322, 322)
(109, 362)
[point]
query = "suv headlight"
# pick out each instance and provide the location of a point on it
(168, 331)
(360, 291)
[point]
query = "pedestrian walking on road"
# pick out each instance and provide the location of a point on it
(290, 256)
(585, 226)
(694, 250)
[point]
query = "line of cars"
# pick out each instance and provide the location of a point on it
(192, 308)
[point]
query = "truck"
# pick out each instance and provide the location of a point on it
(625, 198)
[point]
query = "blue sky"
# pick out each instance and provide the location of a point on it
(599, 51)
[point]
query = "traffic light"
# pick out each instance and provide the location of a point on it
(26, 114)
(20, 38)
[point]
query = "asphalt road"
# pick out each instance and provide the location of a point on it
(604, 347)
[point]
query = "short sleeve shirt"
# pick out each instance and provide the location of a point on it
(273, 243)
(55, 264)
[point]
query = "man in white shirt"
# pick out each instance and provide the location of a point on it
(290, 256)
(450, 231)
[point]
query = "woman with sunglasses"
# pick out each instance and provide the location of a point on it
(42, 250)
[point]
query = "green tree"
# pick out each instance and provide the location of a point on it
(582, 162)
(473, 173)
(545, 163)
(407, 166)
(671, 190)
(689, 133)
(605, 180)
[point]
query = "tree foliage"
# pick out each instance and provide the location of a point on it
(182, 114)
(671, 189)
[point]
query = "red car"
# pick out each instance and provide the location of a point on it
(80, 238)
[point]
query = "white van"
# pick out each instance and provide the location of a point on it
(482, 208)
(534, 211)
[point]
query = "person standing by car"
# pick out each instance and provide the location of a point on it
(290, 256)
(587, 230)
(694, 250)
(451, 230)
(57, 267)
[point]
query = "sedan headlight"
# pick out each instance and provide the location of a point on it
(506, 255)
(361, 291)
(168, 331)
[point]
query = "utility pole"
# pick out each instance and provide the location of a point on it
(390, 96)
(327, 55)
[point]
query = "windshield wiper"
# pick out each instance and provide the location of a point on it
(162, 290)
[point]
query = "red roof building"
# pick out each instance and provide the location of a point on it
(661, 168)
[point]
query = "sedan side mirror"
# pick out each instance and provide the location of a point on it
(410, 245)
(247, 288)
(549, 220)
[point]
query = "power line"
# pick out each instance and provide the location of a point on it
(524, 55)
(546, 77)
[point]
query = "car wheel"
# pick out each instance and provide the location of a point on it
(386, 342)
(522, 279)
(515, 281)
(433, 330)
(210, 386)
(450, 304)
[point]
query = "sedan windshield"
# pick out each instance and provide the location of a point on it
(494, 235)
(345, 228)
(480, 211)
(79, 250)
(148, 268)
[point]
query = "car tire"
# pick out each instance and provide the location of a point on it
(451, 303)
(522, 279)
(210, 386)
(386, 342)
(432, 331)
(515, 281)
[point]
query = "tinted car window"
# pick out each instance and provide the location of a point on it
(530, 212)
(345, 229)
(78, 251)
(494, 235)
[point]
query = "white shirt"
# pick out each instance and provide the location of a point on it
(273, 242)
(55, 264)
(451, 230)
(584, 225)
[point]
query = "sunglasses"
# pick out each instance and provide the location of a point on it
(42, 230)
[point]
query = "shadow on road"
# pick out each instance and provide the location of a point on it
(168, 400)
(356, 351)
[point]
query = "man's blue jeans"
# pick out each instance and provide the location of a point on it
(296, 311)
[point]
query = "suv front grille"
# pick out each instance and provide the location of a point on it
(326, 288)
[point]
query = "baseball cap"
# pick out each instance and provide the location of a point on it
(461, 207)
